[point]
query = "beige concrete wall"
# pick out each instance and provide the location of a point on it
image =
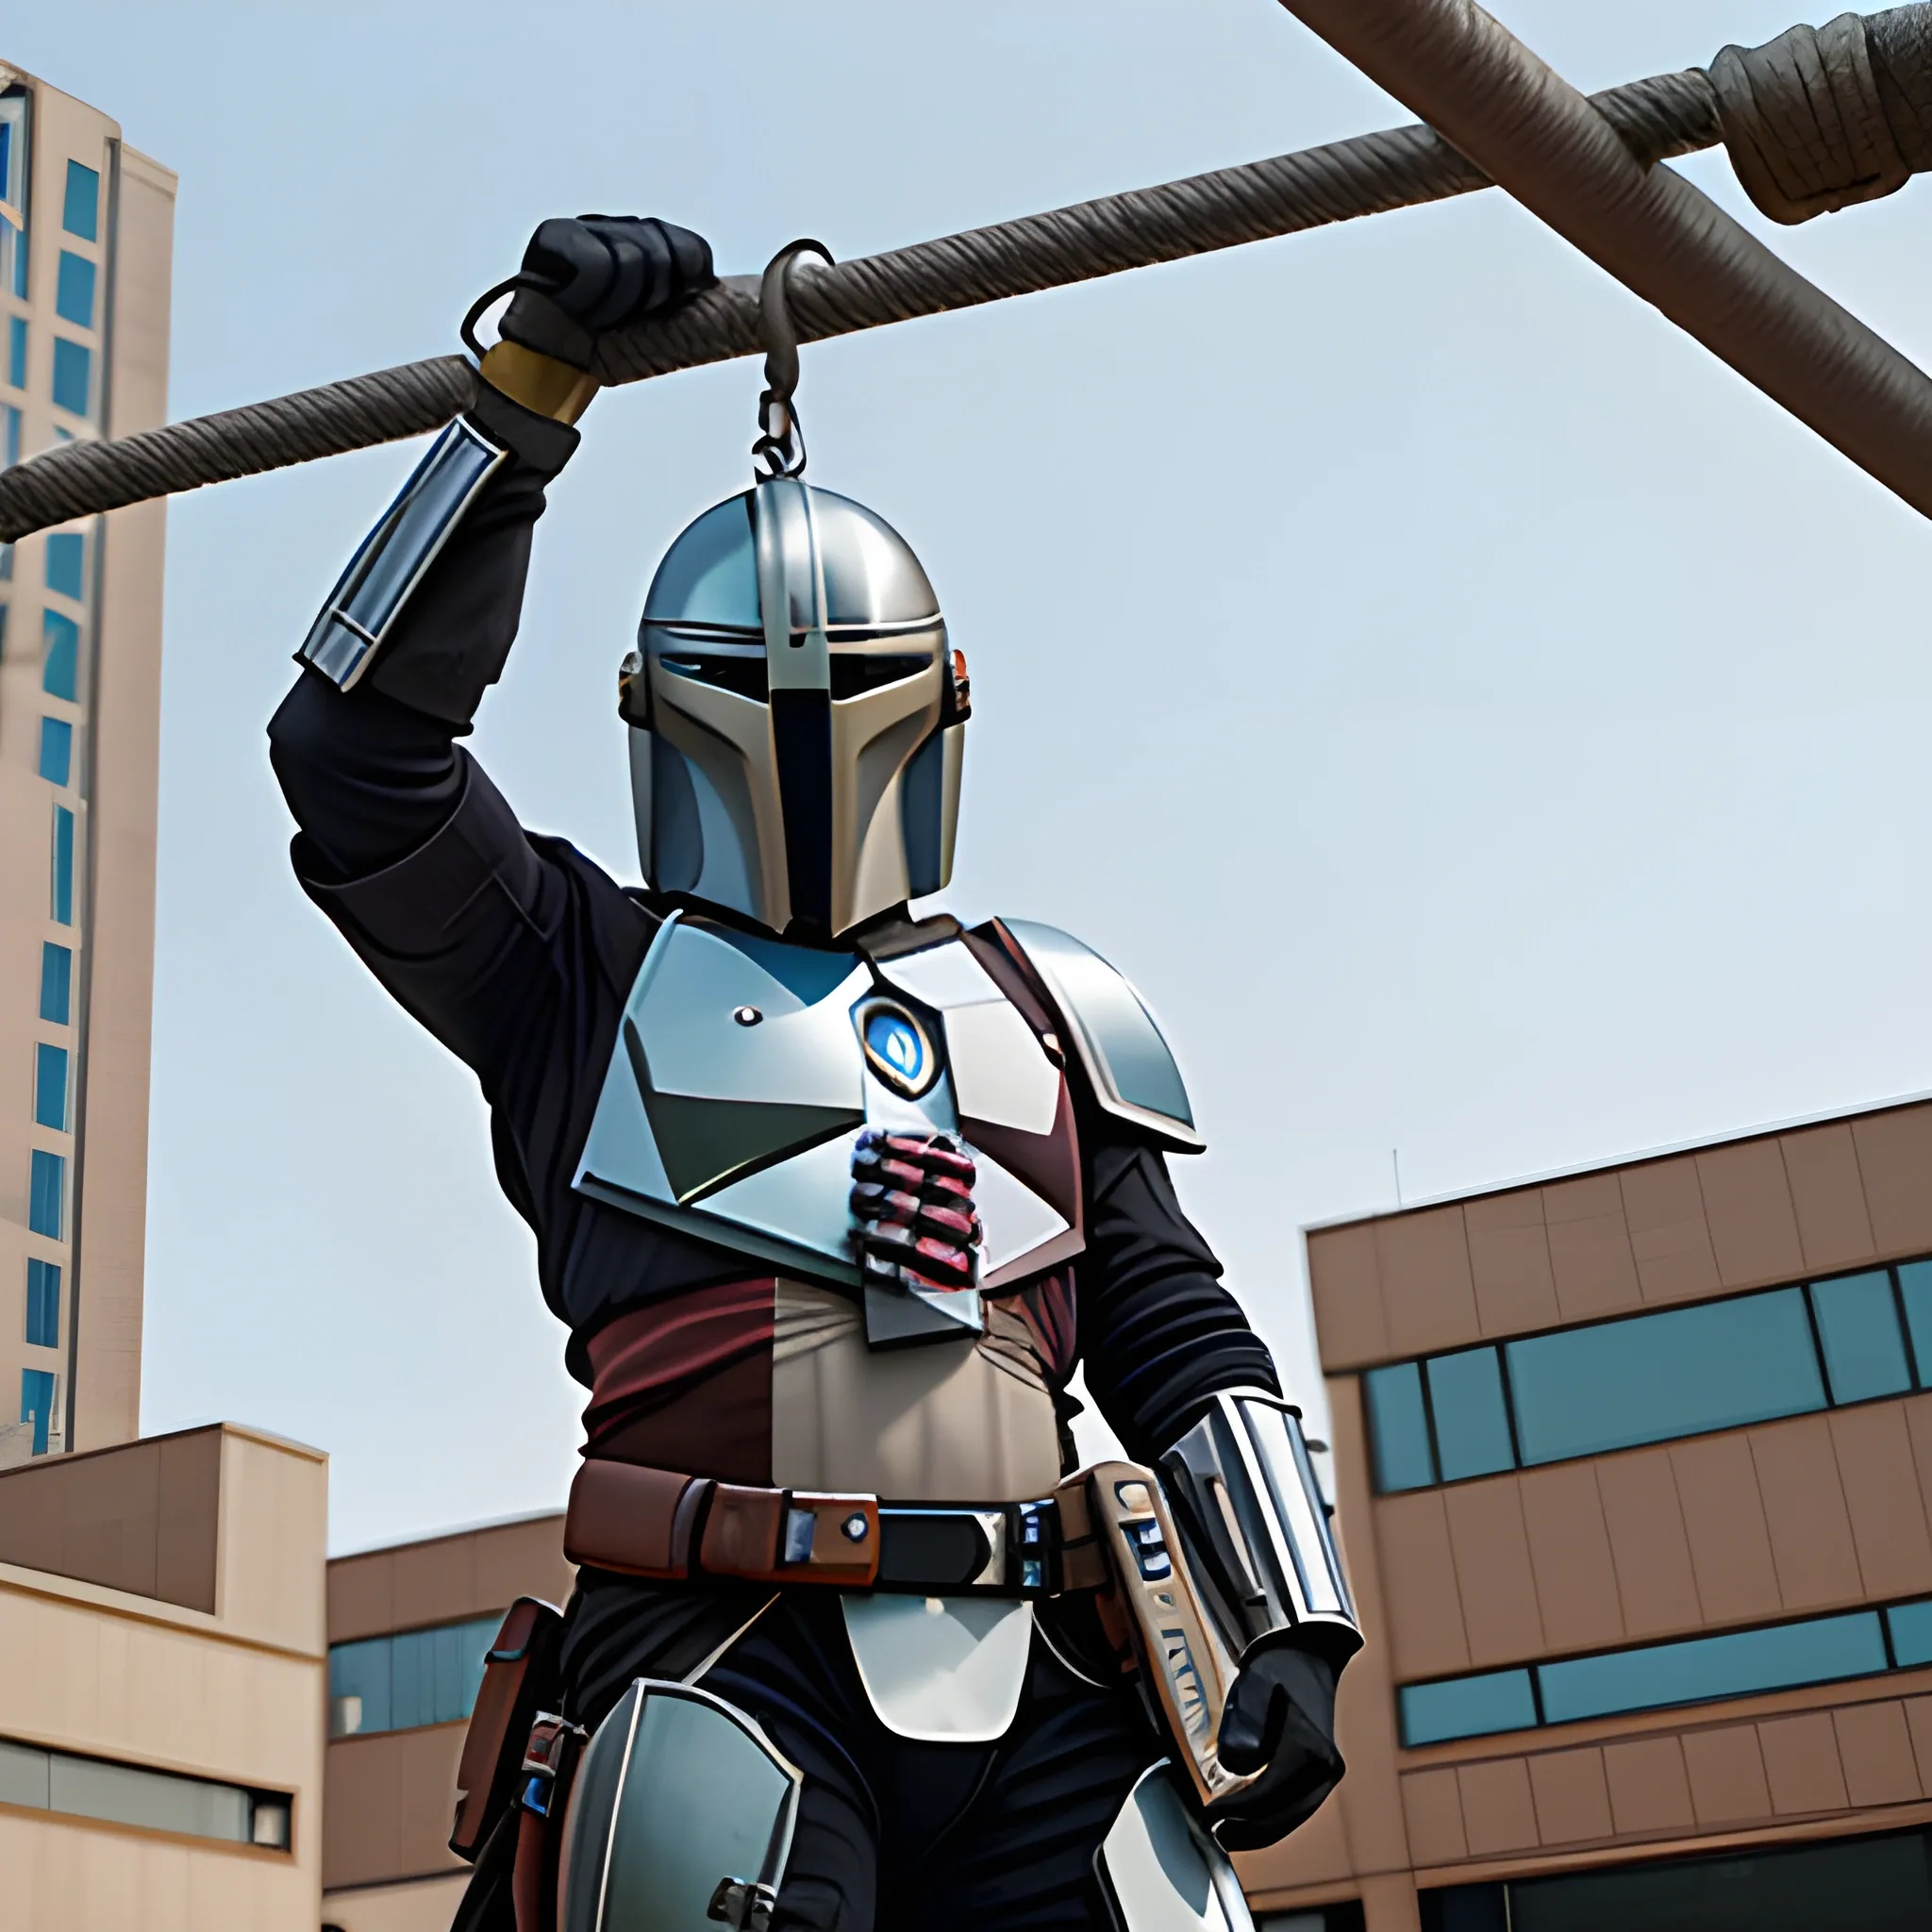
(1769, 1209)
(235, 1693)
(124, 776)
(113, 794)
(443, 1579)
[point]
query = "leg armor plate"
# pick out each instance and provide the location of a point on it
(680, 1819)
(1158, 1872)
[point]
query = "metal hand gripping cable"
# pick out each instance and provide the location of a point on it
(1814, 120)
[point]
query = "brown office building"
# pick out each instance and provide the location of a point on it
(1635, 1477)
(86, 240)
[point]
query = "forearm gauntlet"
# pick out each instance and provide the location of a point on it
(1254, 1529)
(435, 637)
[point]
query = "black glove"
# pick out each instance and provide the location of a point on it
(1280, 1715)
(600, 272)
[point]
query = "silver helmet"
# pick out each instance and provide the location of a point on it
(796, 718)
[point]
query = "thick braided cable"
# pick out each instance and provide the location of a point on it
(1670, 114)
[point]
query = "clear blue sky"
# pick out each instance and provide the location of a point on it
(1479, 724)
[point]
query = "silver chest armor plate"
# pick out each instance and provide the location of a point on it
(744, 1068)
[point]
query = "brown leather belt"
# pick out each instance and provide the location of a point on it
(659, 1523)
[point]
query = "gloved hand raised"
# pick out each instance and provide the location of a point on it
(1279, 1719)
(583, 276)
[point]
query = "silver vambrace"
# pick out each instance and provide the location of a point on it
(1254, 1529)
(395, 557)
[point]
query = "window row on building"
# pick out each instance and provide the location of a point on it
(96, 1788)
(1655, 1676)
(1652, 1379)
(77, 276)
(414, 1678)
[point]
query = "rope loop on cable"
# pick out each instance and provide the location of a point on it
(1809, 127)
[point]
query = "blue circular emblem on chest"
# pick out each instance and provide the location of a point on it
(896, 1047)
(894, 1039)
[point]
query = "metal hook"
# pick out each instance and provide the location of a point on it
(779, 450)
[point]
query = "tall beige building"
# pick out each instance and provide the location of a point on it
(86, 238)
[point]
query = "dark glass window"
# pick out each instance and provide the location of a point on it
(80, 208)
(1704, 1668)
(1399, 1427)
(66, 563)
(16, 350)
(1915, 1288)
(1467, 1706)
(1857, 1323)
(61, 673)
(1676, 1374)
(1847, 1885)
(43, 1304)
(37, 1404)
(73, 289)
(56, 983)
(10, 437)
(57, 750)
(62, 908)
(1472, 1424)
(73, 376)
(46, 1203)
(50, 1086)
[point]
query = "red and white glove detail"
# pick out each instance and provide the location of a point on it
(912, 1198)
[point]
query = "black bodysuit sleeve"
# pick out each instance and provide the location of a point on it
(1159, 1333)
(514, 950)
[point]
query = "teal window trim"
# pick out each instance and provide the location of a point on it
(43, 1304)
(60, 657)
(73, 376)
(63, 883)
(16, 350)
(65, 568)
(56, 751)
(37, 1405)
(56, 983)
(81, 204)
(73, 289)
(46, 1203)
(408, 1679)
(1848, 1339)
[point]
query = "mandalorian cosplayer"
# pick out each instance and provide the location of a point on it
(833, 1202)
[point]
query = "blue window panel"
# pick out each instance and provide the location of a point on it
(46, 1201)
(56, 983)
(50, 1086)
(1911, 1634)
(1471, 1425)
(9, 438)
(1399, 1428)
(5, 563)
(16, 350)
(80, 208)
(60, 674)
(43, 1304)
(37, 1404)
(358, 1687)
(67, 563)
(57, 750)
(1915, 1290)
(62, 894)
(1657, 1377)
(73, 289)
(1467, 1708)
(1740, 1662)
(1857, 1323)
(74, 375)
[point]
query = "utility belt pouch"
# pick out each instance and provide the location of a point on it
(1187, 1668)
(519, 1676)
(544, 1776)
